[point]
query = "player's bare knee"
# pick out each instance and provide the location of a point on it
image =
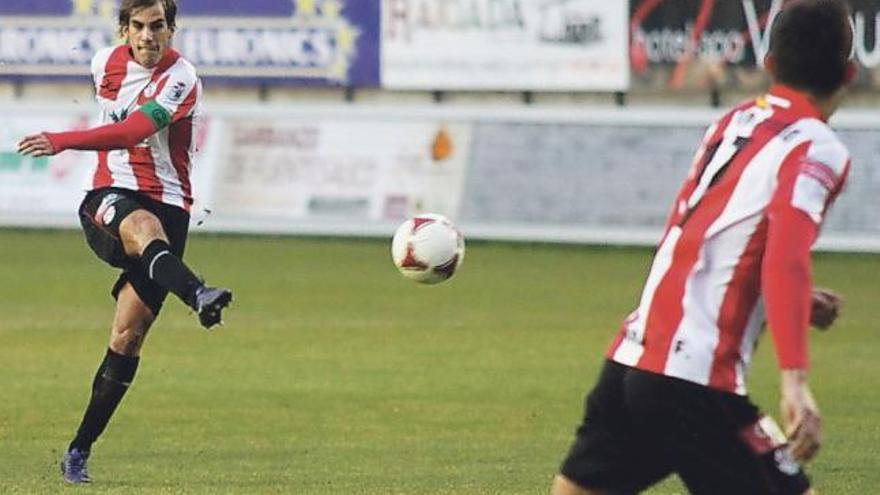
(130, 326)
(126, 344)
(129, 338)
(139, 229)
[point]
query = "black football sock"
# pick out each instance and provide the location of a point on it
(168, 270)
(109, 386)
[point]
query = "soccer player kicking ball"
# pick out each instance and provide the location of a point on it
(136, 214)
(735, 253)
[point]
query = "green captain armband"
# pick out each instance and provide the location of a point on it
(157, 114)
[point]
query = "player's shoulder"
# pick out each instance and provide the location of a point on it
(108, 51)
(804, 125)
(719, 126)
(181, 67)
(104, 53)
(825, 146)
(727, 116)
(181, 81)
(817, 131)
(101, 57)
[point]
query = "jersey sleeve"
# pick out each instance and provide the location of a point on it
(808, 181)
(116, 136)
(820, 176)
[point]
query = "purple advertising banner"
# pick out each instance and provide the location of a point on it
(308, 42)
(36, 7)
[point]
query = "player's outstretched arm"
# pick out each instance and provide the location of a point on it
(120, 135)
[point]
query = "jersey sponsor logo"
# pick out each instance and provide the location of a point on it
(119, 117)
(177, 90)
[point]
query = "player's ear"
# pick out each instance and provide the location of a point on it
(849, 73)
(770, 64)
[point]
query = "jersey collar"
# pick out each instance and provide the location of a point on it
(168, 59)
(800, 102)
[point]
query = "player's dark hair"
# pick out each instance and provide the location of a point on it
(810, 43)
(126, 7)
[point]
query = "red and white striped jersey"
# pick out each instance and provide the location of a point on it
(702, 308)
(158, 167)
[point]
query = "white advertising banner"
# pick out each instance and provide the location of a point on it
(541, 45)
(346, 171)
(42, 190)
(591, 175)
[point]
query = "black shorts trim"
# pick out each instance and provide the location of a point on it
(640, 427)
(101, 212)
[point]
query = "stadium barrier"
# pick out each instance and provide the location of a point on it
(590, 175)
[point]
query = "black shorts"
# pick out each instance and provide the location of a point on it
(101, 212)
(640, 427)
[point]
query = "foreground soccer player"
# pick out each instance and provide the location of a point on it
(136, 215)
(671, 397)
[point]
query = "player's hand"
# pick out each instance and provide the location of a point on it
(36, 145)
(800, 416)
(825, 309)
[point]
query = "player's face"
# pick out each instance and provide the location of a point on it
(148, 34)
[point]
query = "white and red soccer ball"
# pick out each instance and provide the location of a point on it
(427, 248)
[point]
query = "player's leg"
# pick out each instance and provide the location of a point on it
(751, 459)
(609, 456)
(123, 227)
(718, 442)
(139, 300)
(143, 236)
(131, 323)
(564, 486)
(156, 235)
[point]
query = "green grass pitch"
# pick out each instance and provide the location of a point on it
(334, 375)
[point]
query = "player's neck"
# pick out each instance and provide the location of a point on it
(822, 106)
(827, 105)
(145, 66)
